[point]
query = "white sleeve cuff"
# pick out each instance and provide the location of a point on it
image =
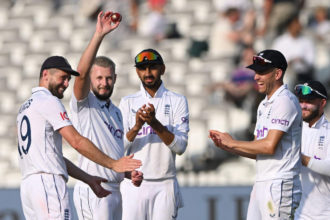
(319, 166)
(177, 146)
(175, 139)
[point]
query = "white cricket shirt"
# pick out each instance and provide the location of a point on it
(103, 125)
(315, 200)
(158, 159)
(39, 142)
(281, 112)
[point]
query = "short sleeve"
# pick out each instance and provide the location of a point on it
(54, 112)
(283, 114)
(76, 105)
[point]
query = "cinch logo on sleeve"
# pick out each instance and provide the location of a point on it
(64, 116)
(280, 121)
(262, 132)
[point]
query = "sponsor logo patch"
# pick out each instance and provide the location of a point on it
(262, 132)
(145, 130)
(321, 141)
(64, 116)
(118, 133)
(167, 109)
(280, 121)
(271, 209)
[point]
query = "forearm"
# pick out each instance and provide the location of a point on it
(89, 54)
(252, 148)
(82, 82)
(242, 154)
(90, 151)
(164, 134)
(132, 133)
(76, 172)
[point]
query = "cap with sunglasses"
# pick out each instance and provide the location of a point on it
(58, 62)
(148, 56)
(311, 90)
(268, 59)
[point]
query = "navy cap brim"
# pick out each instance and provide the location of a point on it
(309, 97)
(70, 71)
(260, 69)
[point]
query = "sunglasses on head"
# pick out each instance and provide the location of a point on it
(306, 90)
(147, 55)
(260, 60)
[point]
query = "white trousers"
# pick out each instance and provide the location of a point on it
(45, 196)
(89, 206)
(274, 199)
(153, 200)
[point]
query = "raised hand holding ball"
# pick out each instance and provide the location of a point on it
(115, 17)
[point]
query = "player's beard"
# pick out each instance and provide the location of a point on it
(104, 96)
(313, 113)
(151, 85)
(54, 89)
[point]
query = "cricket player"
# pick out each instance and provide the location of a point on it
(315, 149)
(97, 118)
(42, 121)
(276, 147)
(156, 124)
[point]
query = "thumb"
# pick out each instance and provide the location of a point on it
(130, 156)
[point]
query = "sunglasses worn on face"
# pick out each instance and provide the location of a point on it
(150, 56)
(260, 60)
(150, 66)
(306, 90)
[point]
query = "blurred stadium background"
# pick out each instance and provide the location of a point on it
(196, 65)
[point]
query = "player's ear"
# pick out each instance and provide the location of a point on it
(278, 74)
(323, 103)
(162, 69)
(45, 74)
(114, 78)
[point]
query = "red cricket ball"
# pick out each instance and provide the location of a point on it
(115, 17)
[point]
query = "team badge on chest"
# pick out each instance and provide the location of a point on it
(167, 109)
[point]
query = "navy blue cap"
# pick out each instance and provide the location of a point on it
(58, 62)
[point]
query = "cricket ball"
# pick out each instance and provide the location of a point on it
(115, 17)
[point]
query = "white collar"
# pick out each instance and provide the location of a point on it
(158, 94)
(276, 93)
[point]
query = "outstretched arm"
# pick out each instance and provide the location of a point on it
(248, 149)
(89, 150)
(104, 26)
(94, 182)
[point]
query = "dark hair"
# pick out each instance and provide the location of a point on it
(105, 62)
